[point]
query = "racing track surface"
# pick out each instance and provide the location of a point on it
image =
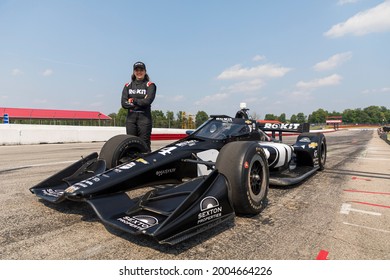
(344, 212)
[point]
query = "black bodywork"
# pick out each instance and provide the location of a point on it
(190, 195)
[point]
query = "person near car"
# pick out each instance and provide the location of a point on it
(137, 98)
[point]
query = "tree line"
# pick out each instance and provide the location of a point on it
(369, 115)
(166, 120)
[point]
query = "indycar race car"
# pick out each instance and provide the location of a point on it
(221, 169)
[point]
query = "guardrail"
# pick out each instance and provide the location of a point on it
(20, 134)
(24, 134)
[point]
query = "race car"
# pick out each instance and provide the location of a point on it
(221, 169)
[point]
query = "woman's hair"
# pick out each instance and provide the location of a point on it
(133, 78)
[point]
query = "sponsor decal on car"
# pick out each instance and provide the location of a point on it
(165, 171)
(187, 143)
(53, 193)
(292, 126)
(142, 161)
(210, 209)
(72, 189)
(224, 119)
(167, 150)
(127, 166)
(140, 222)
(313, 145)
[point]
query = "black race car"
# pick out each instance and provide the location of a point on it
(221, 169)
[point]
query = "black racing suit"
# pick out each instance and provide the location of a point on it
(139, 116)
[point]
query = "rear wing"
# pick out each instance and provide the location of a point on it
(284, 127)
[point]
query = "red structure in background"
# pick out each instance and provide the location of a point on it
(335, 120)
(49, 114)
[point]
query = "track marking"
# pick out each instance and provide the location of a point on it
(359, 178)
(384, 159)
(322, 255)
(346, 208)
(366, 192)
(370, 204)
(376, 229)
(36, 165)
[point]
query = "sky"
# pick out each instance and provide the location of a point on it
(277, 56)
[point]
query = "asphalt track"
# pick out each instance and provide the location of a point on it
(342, 213)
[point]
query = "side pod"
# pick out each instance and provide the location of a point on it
(171, 214)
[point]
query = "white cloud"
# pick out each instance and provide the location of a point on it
(333, 62)
(323, 82)
(266, 70)
(212, 98)
(178, 98)
(343, 2)
(258, 57)
(47, 73)
(247, 86)
(16, 72)
(376, 19)
(376, 90)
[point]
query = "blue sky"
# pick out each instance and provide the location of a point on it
(278, 56)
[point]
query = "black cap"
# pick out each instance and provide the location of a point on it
(139, 64)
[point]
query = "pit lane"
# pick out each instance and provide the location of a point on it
(331, 212)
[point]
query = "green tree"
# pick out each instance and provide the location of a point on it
(350, 116)
(293, 118)
(270, 117)
(200, 118)
(301, 118)
(170, 119)
(282, 118)
(318, 116)
(121, 117)
(159, 119)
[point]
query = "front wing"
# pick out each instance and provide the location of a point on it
(171, 214)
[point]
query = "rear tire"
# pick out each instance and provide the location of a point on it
(322, 152)
(121, 149)
(245, 166)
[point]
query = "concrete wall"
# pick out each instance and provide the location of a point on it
(19, 134)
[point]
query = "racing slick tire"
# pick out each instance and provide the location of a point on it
(121, 149)
(322, 152)
(245, 166)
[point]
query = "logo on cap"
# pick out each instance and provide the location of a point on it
(139, 64)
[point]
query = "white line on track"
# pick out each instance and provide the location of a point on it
(346, 208)
(364, 158)
(376, 229)
(36, 165)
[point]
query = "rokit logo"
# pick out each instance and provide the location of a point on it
(137, 91)
(293, 126)
(140, 222)
(210, 209)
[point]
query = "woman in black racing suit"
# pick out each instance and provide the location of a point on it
(137, 97)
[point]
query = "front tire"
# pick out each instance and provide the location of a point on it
(245, 166)
(121, 149)
(322, 152)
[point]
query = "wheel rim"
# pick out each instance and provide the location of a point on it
(323, 154)
(127, 155)
(256, 179)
